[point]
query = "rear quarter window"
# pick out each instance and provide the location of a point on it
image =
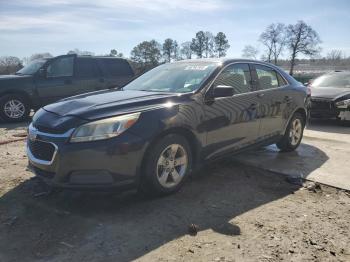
(86, 67)
(115, 67)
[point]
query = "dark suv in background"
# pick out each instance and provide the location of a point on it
(48, 80)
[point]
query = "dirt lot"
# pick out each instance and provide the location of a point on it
(241, 213)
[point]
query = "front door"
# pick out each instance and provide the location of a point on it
(58, 81)
(231, 122)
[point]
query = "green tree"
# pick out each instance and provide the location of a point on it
(176, 51)
(113, 52)
(168, 48)
(146, 55)
(198, 44)
(221, 44)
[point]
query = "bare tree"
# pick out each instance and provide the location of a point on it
(221, 44)
(301, 39)
(250, 51)
(9, 65)
(274, 39)
(335, 55)
(186, 50)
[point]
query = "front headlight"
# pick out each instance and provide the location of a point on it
(103, 129)
(343, 104)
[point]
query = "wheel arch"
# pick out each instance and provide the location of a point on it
(182, 131)
(300, 110)
(20, 93)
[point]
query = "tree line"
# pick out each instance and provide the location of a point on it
(278, 40)
(149, 54)
(146, 54)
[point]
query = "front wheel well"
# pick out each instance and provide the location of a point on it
(19, 93)
(303, 113)
(187, 134)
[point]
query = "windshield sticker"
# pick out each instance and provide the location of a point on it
(196, 67)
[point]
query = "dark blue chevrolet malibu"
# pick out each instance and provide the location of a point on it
(154, 131)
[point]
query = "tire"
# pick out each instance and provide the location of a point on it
(14, 108)
(292, 138)
(160, 164)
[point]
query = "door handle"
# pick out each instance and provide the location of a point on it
(260, 95)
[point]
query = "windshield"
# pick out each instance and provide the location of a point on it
(332, 80)
(31, 68)
(175, 78)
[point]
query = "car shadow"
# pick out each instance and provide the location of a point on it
(71, 225)
(12, 126)
(329, 126)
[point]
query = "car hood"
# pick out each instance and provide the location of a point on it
(107, 103)
(331, 93)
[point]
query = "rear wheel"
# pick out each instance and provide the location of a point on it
(14, 108)
(167, 165)
(293, 135)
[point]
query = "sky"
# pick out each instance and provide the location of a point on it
(57, 26)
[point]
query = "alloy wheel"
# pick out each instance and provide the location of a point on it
(172, 165)
(295, 132)
(14, 108)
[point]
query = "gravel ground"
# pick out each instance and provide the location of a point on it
(225, 212)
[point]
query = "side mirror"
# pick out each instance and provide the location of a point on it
(223, 91)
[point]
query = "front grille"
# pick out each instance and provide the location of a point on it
(315, 104)
(41, 150)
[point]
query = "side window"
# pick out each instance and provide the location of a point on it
(268, 78)
(115, 67)
(237, 76)
(86, 68)
(60, 67)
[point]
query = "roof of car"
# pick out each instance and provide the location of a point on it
(103, 57)
(220, 60)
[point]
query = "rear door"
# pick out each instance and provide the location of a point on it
(116, 71)
(273, 99)
(58, 81)
(231, 122)
(88, 77)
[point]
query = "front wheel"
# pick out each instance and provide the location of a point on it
(293, 135)
(14, 108)
(166, 166)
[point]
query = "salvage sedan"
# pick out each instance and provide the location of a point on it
(153, 132)
(330, 96)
